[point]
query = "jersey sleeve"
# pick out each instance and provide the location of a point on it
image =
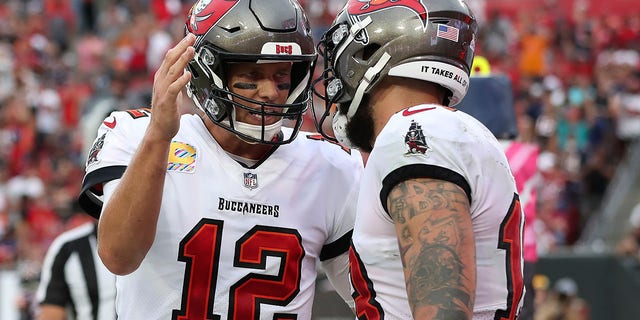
(334, 257)
(337, 271)
(117, 140)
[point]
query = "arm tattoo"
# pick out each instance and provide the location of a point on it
(436, 245)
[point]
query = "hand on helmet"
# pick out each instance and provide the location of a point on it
(170, 78)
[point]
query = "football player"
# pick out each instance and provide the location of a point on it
(224, 214)
(438, 232)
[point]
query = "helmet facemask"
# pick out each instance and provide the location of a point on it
(330, 48)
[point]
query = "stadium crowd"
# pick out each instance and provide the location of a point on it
(64, 65)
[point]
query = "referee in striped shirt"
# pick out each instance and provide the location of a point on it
(74, 284)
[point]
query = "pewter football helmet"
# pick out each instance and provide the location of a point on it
(258, 31)
(430, 40)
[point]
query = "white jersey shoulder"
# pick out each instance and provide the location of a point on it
(438, 136)
(121, 131)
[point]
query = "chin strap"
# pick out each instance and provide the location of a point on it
(255, 131)
(339, 126)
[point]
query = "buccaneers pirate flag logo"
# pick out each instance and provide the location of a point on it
(359, 7)
(206, 13)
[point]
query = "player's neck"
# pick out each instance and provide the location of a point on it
(395, 94)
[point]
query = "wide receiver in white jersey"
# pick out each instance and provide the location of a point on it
(438, 232)
(223, 214)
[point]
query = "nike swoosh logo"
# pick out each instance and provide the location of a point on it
(110, 124)
(407, 112)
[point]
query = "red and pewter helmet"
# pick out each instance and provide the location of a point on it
(430, 40)
(260, 31)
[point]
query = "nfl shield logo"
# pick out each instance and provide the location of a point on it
(250, 180)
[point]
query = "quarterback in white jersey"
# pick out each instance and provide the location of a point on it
(233, 241)
(438, 231)
(225, 213)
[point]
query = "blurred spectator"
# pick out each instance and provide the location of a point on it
(534, 43)
(91, 54)
(112, 19)
(27, 185)
(581, 37)
(8, 246)
(61, 21)
(540, 284)
(17, 134)
(160, 40)
(563, 303)
(546, 124)
(580, 91)
(497, 36)
(573, 136)
(7, 78)
(48, 112)
(626, 108)
(86, 12)
(551, 232)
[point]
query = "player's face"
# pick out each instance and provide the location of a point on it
(265, 82)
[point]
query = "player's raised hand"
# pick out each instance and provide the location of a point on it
(168, 81)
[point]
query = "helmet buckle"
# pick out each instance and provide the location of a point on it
(208, 57)
(334, 87)
(339, 34)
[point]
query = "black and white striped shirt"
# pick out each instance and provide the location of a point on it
(74, 277)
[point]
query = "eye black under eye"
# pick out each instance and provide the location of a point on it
(245, 86)
(284, 86)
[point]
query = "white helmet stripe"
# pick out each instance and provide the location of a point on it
(299, 89)
(447, 75)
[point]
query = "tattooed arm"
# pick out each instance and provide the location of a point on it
(435, 235)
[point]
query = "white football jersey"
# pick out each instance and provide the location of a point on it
(232, 242)
(429, 141)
